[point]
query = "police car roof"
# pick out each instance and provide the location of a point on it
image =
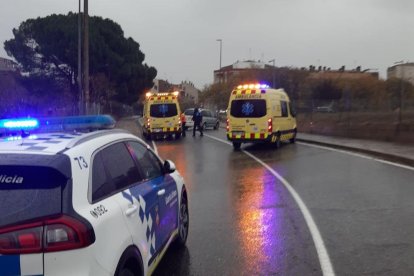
(50, 143)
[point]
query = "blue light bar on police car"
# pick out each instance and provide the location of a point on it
(56, 124)
(13, 124)
(76, 123)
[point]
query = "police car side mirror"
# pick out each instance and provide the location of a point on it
(169, 166)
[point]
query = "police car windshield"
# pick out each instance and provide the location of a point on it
(163, 110)
(248, 108)
(28, 192)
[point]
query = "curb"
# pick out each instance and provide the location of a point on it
(381, 155)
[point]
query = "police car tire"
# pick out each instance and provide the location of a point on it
(184, 219)
(126, 272)
(130, 263)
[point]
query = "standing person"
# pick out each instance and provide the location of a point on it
(197, 118)
(183, 123)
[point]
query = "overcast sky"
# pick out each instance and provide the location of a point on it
(178, 37)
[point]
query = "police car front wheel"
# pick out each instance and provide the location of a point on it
(126, 272)
(184, 223)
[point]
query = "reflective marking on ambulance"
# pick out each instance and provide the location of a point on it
(162, 98)
(248, 93)
(166, 129)
(248, 135)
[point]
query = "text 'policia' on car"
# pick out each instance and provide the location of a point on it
(80, 198)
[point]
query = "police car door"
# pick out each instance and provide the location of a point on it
(150, 194)
(137, 199)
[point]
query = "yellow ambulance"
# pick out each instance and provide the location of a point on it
(258, 113)
(161, 115)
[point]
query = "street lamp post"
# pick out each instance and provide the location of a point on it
(273, 73)
(86, 56)
(79, 79)
(221, 42)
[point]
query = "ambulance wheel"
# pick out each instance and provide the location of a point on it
(277, 142)
(145, 135)
(216, 127)
(236, 145)
(177, 135)
(293, 139)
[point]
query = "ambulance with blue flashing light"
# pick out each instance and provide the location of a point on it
(82, 198)
(258, 113)
(162, 115)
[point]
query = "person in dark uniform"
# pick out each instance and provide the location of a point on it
(197, 119)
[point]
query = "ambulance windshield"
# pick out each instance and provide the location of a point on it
(248, 108)
(163, 110)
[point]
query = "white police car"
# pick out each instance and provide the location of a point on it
(96, 203)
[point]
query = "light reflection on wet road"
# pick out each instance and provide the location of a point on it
(244, 222)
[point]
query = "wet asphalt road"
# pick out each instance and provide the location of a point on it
(243, 221)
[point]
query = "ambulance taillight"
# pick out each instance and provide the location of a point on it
(269, 125)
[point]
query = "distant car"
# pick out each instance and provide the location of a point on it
(94, 203)
(325, 109)
(188, 113)
(222, 112)
(209, 120)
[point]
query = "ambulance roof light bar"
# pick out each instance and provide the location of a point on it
(253, 86)
(150, 94)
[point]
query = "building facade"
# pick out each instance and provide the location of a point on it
(187, 89)
(7, 65)
(257, 68)
(403, 71)
(224, 74)
(341, 73)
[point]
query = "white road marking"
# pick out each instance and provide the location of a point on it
(154, 146)
(358, 155)
(324, 260)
